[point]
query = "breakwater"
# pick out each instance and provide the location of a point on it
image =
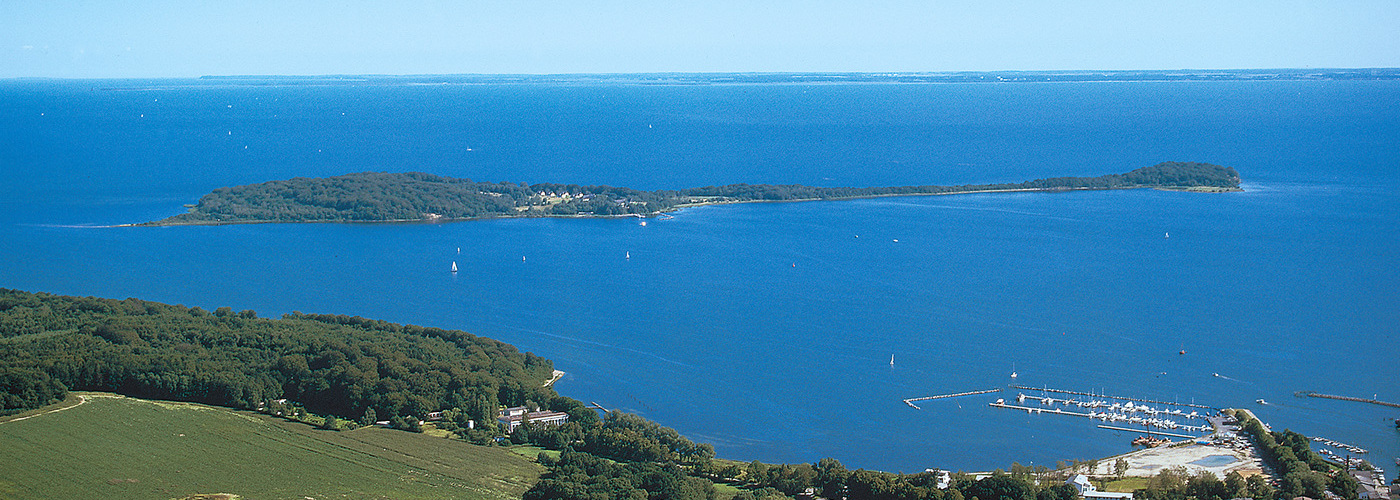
(1348, 398)
(1124, 398)
(911, 401)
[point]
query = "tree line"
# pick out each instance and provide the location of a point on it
(624, 456)
(381, 196)
(1290, 454)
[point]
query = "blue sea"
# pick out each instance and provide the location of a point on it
(768, 329)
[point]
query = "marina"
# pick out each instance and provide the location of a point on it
(1338, 445)
(1139, 400)
(1107, 416)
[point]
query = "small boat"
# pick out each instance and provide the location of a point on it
(891, 356)
(1261, 401)
(628, 255)
(454, 266)
(1166, 235)
(1013, 374)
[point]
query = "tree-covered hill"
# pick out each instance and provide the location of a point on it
(414, 196)
(337, 365)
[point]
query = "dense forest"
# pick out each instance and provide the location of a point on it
(378, 196)
(334, 365)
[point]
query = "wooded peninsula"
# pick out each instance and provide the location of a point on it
(416, 196)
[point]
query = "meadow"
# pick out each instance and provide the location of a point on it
(118, 447)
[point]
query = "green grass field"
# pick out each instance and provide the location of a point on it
(115, 447)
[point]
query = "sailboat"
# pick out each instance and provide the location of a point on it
(628, 255)
(891, 360)
(454, 266)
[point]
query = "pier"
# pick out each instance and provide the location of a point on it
(1109, 417)
(1149, 432)
(1112, 408)
(1140, 400)
(1029, 409)
(1349, 398)
(911, 401)
(597, 406)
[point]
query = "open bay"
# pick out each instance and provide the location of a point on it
(767, 329)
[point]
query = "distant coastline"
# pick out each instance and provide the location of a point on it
(779, 78)
(414, 197)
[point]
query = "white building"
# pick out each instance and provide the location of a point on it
(1087, 490)
(512, 417)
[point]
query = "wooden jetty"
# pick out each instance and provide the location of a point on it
(597, 406)
(1124, 398)
(911, 401)
(1349, 398)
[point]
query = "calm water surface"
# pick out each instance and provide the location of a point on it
(767, 329)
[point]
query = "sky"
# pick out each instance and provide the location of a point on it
(169, 38)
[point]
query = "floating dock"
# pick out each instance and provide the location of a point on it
(1112, 417)
(1128, 408)
(1124, 398)
(1149, 432)
(911, 401)
(1030, 409)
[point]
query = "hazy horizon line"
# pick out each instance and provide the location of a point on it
(888, 74)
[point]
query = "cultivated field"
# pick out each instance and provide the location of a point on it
(116, 447)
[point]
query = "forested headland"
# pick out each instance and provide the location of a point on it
(332, 364)
(415, 196)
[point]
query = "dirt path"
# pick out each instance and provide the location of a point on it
(81, 400)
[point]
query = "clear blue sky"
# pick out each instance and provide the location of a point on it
(160, 38)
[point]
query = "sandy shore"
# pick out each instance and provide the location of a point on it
(558, 374)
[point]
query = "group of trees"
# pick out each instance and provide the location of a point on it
(379, 196)
(334, 365)
(1304, 472)
(579, 475)
(1176, 483)
(23, 388)
(625, 456)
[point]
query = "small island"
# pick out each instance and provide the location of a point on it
(421, 197)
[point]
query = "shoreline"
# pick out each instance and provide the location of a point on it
(676, 208)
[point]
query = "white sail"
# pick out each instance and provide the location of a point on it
(454, 266)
